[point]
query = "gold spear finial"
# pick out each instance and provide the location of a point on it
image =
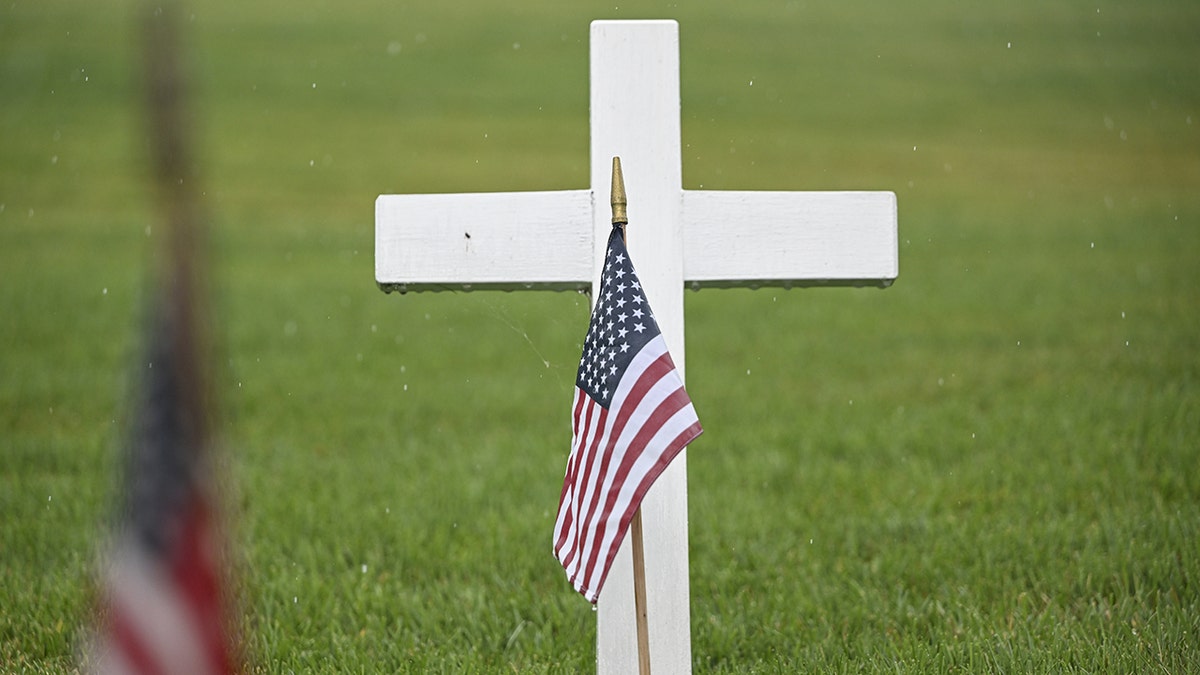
(618, 194)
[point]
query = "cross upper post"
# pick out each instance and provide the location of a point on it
(682, 238)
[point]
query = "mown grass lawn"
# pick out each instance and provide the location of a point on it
(989, 467)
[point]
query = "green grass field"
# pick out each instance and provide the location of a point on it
(992, 466)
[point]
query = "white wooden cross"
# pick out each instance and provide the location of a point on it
(679, 238)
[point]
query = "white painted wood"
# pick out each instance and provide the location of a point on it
(504, 240)
(789, 238)
(635, 115)
(521, 240)
(704, 238)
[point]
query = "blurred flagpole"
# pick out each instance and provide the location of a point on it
(165, 602)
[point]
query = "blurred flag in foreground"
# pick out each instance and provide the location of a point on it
(163, 599)
(631, 417)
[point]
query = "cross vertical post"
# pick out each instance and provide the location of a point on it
(635, 115)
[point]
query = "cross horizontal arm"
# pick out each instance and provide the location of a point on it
(486, 240)
(541, 240)
(752, 239)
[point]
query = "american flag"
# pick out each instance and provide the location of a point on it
(630, 418)
(163, 602)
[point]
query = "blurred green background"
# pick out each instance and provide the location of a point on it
(991, 466)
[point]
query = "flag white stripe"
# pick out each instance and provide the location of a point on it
(161, 619)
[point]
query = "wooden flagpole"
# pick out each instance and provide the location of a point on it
(639, 594)
(620, 218)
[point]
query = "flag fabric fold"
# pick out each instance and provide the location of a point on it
(630, 417)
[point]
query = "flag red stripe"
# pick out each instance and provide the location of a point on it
(580, 401)
(672, 450)
(664, 412)
(590, 488)
(659, 368)
(568, 545)
(566, 515)
(581, 457)
(194, 572)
